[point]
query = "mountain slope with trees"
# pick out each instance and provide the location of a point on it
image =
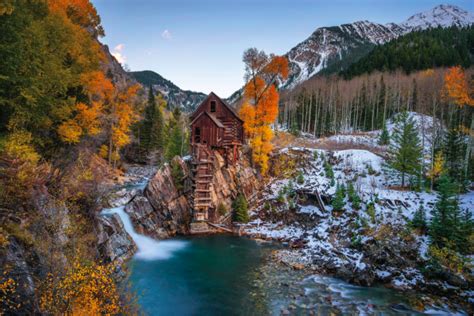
(440, 47)
(175, 96)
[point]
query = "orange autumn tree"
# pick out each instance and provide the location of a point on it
(86, 121)
(120, 116)
(459, 91)
(456, 87)
(260, 101)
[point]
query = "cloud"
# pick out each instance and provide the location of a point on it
(166, 35)
(118, 53)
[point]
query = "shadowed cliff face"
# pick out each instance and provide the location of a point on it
(163, 210)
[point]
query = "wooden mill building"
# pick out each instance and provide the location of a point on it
(215, 127)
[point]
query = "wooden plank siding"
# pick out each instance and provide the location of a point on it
(217, 123)
(209, 133)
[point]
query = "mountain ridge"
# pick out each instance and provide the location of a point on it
(327, 45)
(187, 100)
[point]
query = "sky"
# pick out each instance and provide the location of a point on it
(198, 44)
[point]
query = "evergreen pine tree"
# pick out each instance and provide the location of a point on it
(354, 198)
(455, 147)
(338, 199)
(447, 225)
(384, 138)
(175, 144)
(240, 207)
(405, 147)
(329, 171)
(147, 121)
(157, 132)
(419, 219)
(152, 128)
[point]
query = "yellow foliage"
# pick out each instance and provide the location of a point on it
(104, 151)
(70, 131)
(438, 166)
(97, 85)
(6, 7)
(18, 146)
(8, 294)
(260, 108)
(448, 258)
(87, 289)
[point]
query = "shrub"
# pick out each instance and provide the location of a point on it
(419, 220)
(328, 170)
(300, 178)
(221, 209)
(353, 196)
(338, 200)
(87, 289)
(384, 138)
(448, 258)
(371, 211)
(315, 155)
(240, 208)
(267, 206)
(281, 195)
(177, 175)
(370, 170)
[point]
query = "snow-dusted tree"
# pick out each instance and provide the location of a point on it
(384, 138)
(338, 199)
(447, 227)
(419, 219)
(354, 198)
(455, 148)
(405, 147)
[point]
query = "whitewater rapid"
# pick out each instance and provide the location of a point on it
(148, 248)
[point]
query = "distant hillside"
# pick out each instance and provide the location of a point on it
(439, 47)
(185, 99)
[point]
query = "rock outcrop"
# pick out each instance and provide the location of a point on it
(165, 207)
(15, 266)
(114, 244)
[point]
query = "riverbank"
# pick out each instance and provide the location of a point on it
(365, 245)
(315, 249)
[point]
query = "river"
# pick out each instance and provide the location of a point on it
(229, 275)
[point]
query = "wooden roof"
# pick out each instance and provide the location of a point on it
(212, 94)
(212, 117)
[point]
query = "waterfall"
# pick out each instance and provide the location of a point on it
(148, 248)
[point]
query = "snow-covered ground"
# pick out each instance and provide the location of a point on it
(344, 241)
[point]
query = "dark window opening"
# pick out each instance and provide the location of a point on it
(213, 106)
(197, 135)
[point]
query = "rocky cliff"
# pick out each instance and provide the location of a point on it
(164, 209)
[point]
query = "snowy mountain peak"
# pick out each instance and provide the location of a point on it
(443, 15)
(336, 46)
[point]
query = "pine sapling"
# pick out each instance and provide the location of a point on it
(384, 138)
(338, 199)
(419, 220)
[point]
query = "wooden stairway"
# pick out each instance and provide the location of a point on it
(203, 168)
